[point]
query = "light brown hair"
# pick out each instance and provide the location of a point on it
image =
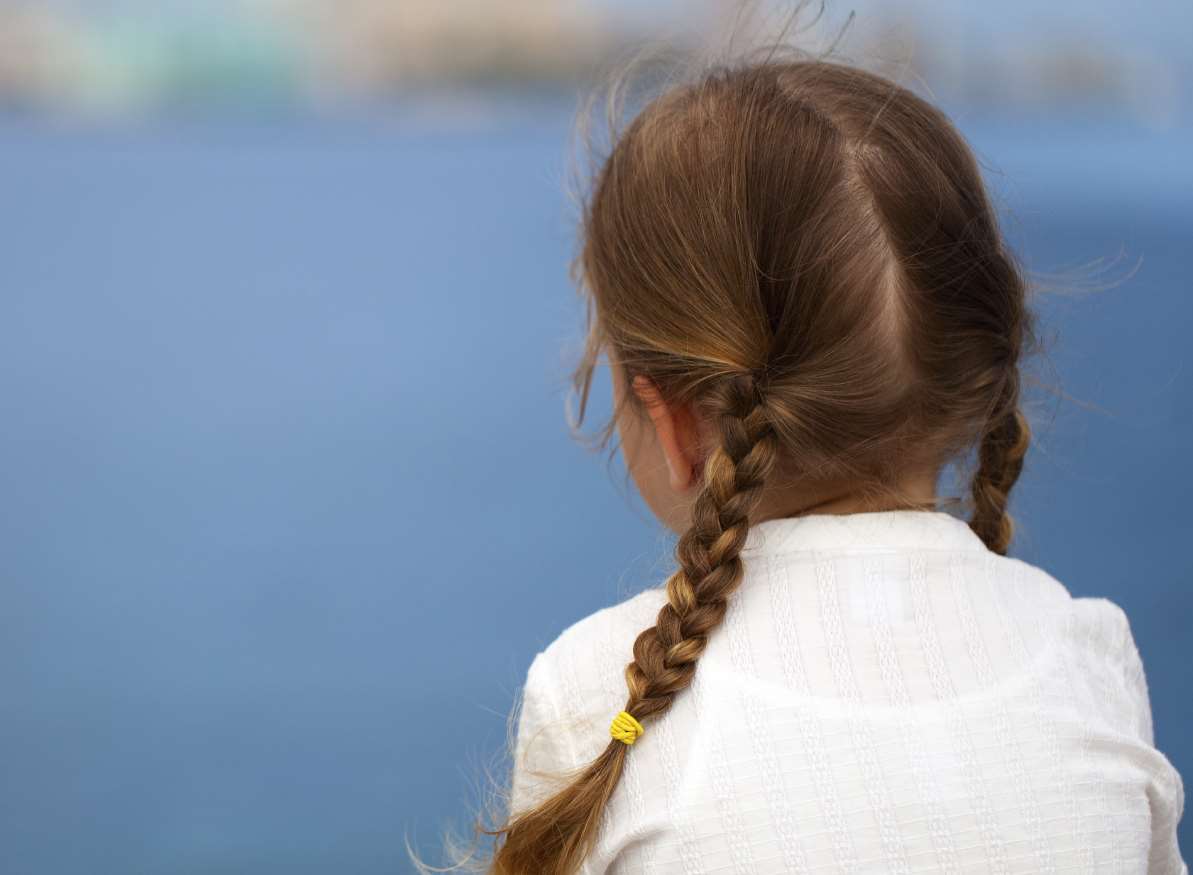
(806, 252)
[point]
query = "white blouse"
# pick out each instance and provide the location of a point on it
(886, 695)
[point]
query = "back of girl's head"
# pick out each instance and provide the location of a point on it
(824, 236)
(805, 252)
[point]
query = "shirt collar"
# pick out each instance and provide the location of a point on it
(870, 530)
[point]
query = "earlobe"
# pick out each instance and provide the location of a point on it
(669, 428)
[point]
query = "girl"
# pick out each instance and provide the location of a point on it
(797, 277)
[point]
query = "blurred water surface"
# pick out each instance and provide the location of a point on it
(289, 502)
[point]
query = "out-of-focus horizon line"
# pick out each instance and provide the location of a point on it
(316, 54)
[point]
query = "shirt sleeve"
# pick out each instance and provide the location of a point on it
(543, 755)
(1166, 799)
(1165, 790)
(1167, 803)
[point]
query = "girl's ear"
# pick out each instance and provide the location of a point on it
(675, 428)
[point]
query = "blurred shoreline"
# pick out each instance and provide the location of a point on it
(318, 57)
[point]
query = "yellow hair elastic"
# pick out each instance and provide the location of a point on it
(625, 728)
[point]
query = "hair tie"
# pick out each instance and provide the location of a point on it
(625, 728)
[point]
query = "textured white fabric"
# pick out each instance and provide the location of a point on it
(885, 695)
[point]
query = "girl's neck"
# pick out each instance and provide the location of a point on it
(919, 494)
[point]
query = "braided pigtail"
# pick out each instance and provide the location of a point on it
(553, 838)
(1000, 461)
(710, 567)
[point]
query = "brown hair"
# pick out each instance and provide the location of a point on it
(806, 253)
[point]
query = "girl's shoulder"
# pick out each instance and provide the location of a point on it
(573, 688)
(583, 669)
(1098, 621)
(1092, 638)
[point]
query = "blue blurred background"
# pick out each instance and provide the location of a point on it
(289, 501)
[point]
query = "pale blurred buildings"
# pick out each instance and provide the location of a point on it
(38, 56)
(373, 45)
